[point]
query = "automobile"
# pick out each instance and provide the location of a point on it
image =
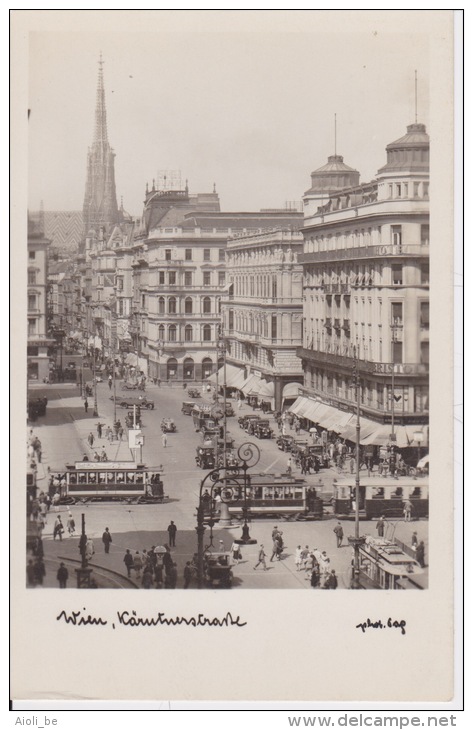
(285, 442)
(187, 407)
(217, 568)
(229, 410)
(202, 416)
(319, 451)
(205, 457)
(130, 401)
(168, 425)
(262, 429)
(231, 460)
(193, 393)
(36, 407)
(251, 425)
(242, 421)
(209, 430)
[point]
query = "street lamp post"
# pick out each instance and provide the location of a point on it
(419, 437)
(357, 540)
(96, 410)
(83, 573)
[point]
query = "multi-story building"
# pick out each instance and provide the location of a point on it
(366, 295)
(263, 314)
(38, 341)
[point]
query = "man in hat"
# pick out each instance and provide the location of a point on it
(261, 558)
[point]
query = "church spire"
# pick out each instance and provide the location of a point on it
(101, 135)
(100, 201)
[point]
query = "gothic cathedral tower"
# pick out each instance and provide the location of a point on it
(100, 200)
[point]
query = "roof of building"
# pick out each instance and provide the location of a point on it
(64, 228)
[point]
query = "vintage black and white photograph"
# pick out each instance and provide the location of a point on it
(228, 284)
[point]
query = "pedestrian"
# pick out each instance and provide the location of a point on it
(106, 539)
(167, 560)
(71, 525)
(164, 440)
(380, 525)
(275, 552)
(58, 528)
(30, 574)
(338, 530)
(120, 432)
(137, 563)
(99, 430)
(128, 560)
(39, 571)
(407, 510)
(109, 434)
(324, 563)
(62, 576)
(315, 575)
(187, 574)
(289, 466)
(239, 404)
(103, 454)
(159, 383)
(172, 529)
(331, 582)
(261, 558)
(86, 405)
(420, 554)
(147, 579)
(298, 558)
(89, 550)
(90, 439)
(235, 550)
(172, 577)
(414, 541)
(55, 501)
(110, 382)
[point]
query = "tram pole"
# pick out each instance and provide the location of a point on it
(356, 541)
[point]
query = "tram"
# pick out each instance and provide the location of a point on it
(88, 481)
(271, 495)
(382, 496)
(384, 565)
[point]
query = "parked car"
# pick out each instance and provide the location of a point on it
(217, 569)
(168, 425)
(187, 407)
(250, 425)
(205, 457)
(262, 429)
(285, 443)
(130, 421)
(193, 393)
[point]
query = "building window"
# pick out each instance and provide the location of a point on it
(172, 278)
(424, 234)
(161, 277)
(396, 274)
(31, 326)
(161, 309)
(390, 190)
(416, 190)
(206, 333)
(206, 278)
(188, 254)
(167, 254)
(31, 255)
(188, 333)
(221, 254)
(206, 254)
(221, 278)
(172, 305)
(424, 274)
(396, 235)
(230, 320)
(426, 190)
(31, 301)
(206, 305)
(398, 189)
(274, 326)
(274, 290)
(161, 332)
(31, 277)
(143, 301)
(424, 353)
(396, 314)
(397, 352)
(188, 278)
(188, 305)
(421, 399)
(172, 333)
(424, 315)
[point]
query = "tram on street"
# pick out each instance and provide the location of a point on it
(382, 496)
(384, 565)
(273, 495)
(88, 481)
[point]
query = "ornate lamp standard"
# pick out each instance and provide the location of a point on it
(356, 541)
(224, 481)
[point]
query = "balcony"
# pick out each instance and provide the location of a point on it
(365, 252)
(344, 359)
(336, 324)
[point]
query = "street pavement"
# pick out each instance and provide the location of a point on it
(63, 433)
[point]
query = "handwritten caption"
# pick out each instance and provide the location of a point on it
(131, 619)
(389, 624)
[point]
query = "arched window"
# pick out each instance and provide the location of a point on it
(207, 367)
(206, 305)
(161, 309)
(188, 333)
(188, 305)
(188, 368)
(171, 368)
(161, 332)
(172, 305)
(172, 333)
(206, 333)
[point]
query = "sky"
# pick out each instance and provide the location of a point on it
(249, 107)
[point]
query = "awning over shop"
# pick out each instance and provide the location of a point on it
(234, 376)
(298, 406)
(249, 384)
(404, 435)
(262, 388)
(290, 390)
